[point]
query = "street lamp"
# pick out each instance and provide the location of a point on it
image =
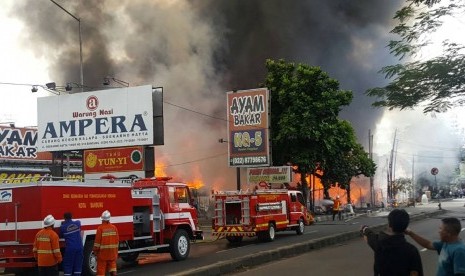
(107, 80)
(80, 41)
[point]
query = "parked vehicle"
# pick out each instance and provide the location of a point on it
(152, 215)
(260, 213)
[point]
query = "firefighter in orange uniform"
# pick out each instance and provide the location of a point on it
(106, 246)
(47, 248)
(336, 208)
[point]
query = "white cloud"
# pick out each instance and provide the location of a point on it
(19, 66)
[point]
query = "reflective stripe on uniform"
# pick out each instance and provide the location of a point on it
(109, 246)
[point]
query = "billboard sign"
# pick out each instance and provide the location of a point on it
(98, 119)
(11, 177)
(127, 159)
(281, 174)
(248, 128)
(20, 144)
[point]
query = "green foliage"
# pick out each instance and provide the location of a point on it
(438, 84)
(402, 184)
(305, 128)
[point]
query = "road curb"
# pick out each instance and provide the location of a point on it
(344, 216)
(229, 266)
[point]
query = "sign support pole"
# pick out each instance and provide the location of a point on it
(238, 176)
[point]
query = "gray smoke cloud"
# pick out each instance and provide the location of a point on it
(198, 50)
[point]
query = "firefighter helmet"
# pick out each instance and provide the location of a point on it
(49, 221)
(105, 215)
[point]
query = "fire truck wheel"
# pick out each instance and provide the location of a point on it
(89, 264)
(301, 227)
(270, 234)
(234, 239)
(180, 245)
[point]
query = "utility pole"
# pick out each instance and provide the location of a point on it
(387, 178)
(413, 181)
(80, 40)
(390, 173)
(370, 150)
(238, 169)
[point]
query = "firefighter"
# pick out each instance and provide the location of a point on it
(47, 248)
(70, 230)
(336, 208)
(106, 246)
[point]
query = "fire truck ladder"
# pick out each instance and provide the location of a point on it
(219, 212)
(158, 221)
(245, 207)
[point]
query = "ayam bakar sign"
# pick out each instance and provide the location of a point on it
(99, 119)
(20, 144)
(248, 128)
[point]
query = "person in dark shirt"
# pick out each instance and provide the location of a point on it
(394, 256)
(70, 230)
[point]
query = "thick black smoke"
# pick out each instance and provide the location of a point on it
(345, 38)
(198, 50)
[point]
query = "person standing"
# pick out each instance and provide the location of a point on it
(393, 254)
(450, 247)
(336, 208)
(46, 248)
(106, 246)
(70, 230)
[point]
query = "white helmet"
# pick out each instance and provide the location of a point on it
(105, 215)
(49, 221)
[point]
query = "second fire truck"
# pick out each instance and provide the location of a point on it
(260, 213)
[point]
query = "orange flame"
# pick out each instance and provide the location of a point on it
(160, 168)
(195, 184)
(359, 193)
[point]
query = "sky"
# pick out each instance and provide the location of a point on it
(200, 50)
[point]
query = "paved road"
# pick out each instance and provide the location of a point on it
(325, 234)
(355, 257)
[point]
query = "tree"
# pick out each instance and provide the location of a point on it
(342, 166)
(402, 184)
(305, 129)
(437, 83)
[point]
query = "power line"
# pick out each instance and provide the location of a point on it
(169, 103)
(19, 84)
(193, 161)
(428, 156)
(206, 115)
(185, 152)
(429, 146)
(193, 111)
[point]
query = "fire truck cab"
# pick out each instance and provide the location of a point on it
(259, 213)
(152, 215)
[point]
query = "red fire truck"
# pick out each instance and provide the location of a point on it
(259, 213)
(152, 215)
